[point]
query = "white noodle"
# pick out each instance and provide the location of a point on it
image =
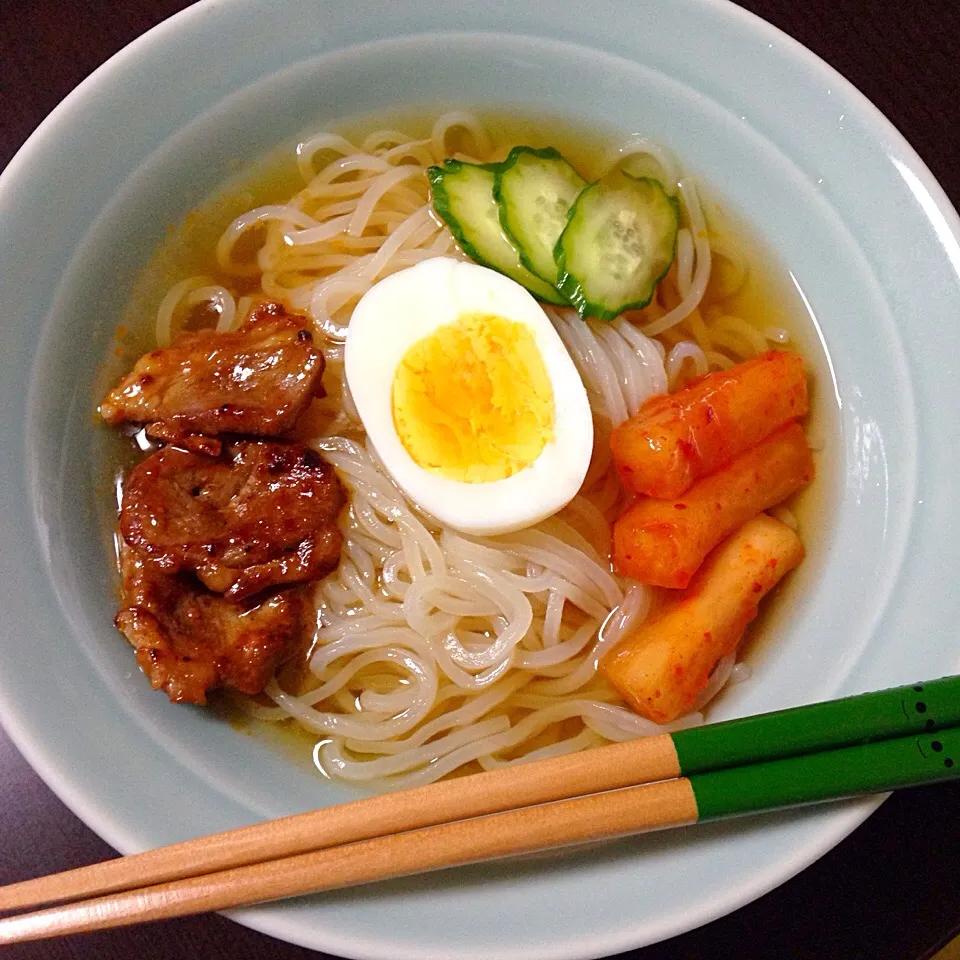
(174, 296)
(685, 261)
(287, 215)
(454, 121)
(357, 162)
(701, 276)
(308, 149)
(643, 146)
(325, 231)
(374, 193)
(679, 355)
(383, 140)
(191, 293)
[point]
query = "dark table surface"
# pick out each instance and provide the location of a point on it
(892, 889)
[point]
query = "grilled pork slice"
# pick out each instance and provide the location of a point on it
(255, 380)
(190, 641)
(262, 515)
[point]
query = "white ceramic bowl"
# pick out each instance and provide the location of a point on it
(866, 233)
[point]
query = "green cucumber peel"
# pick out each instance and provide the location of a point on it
(530, 219)
(575, 284)
(509, 263)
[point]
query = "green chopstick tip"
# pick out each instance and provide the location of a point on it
(865, 718)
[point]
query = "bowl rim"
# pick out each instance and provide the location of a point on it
(943, 217)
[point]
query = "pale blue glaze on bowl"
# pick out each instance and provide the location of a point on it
(826, 181)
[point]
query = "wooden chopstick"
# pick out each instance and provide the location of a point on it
(529, 829)
(812, 728)
(808, 778)
(606, 768)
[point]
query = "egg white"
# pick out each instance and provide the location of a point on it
(409, 305)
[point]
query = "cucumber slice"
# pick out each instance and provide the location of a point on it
(617, 246)
(535, 190)
(463, 199)
(647, 165)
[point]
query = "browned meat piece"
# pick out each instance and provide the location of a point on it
(170, 432)
(190, 641)
(257, 380)
(262, 515)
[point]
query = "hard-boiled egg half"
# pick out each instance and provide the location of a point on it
(469, 396)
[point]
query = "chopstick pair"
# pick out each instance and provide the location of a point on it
(864, 744)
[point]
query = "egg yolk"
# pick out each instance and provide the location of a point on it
(472, 401)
